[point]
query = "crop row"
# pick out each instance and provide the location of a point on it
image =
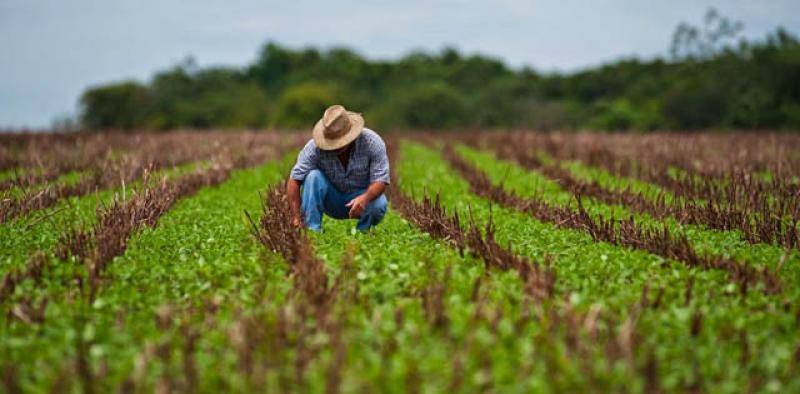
(38, 158)
(627, 232)
(653, 156)
(151, 153)
(47, 229)
(765, 211)
(580, 328)
(45, 153)
(97, 246)
(133, 288)
(584, 333)
(611, 276)
(532, 183)
(429, 216)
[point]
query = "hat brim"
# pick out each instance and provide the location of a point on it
(357, 122)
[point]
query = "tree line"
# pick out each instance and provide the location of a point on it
(712, 79)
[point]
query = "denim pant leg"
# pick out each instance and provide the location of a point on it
(334, 204)
(316, 187)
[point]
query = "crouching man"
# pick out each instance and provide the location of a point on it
(343, 171)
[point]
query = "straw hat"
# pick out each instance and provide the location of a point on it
(337, 128)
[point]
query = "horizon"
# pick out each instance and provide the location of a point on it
(37, 87)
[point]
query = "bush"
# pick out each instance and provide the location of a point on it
(695, 103)
(622, 114)
(115, 106)
(302, 105)
(426, 105)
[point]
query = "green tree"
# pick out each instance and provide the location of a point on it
(276, 66)
(302, 105)
(434, 105)
(214, 97)
(622, 114)
(695, 103)
(115, 106)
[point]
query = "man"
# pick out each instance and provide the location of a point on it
(343, 170)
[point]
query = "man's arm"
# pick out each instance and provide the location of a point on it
(379, 178)
(374, 190)
(306, 161)
(293, 194)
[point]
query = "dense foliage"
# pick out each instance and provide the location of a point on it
(709, 81)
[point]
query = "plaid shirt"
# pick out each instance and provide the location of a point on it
(368, 163)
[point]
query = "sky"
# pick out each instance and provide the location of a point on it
(52, 50)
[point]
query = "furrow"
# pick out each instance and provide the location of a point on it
(277, 234)
(200, 253)
(627, 233)
(168, 151)
(97, 246)
(429, 216)
(726, 198)
(118, 222)
(744, 208)
(705, 241)
(616, 276)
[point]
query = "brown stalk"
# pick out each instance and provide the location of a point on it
(144, 154)
(429, 216)
(617, 232)
(734, 199)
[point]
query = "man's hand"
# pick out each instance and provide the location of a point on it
(357, 205)
(297, 221)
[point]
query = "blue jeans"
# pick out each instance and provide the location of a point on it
(319, 197)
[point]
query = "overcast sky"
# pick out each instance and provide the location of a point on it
(53, 49)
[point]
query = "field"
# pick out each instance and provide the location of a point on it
(508, 262)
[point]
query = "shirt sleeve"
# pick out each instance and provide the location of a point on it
(379, 162)
(307, 160)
